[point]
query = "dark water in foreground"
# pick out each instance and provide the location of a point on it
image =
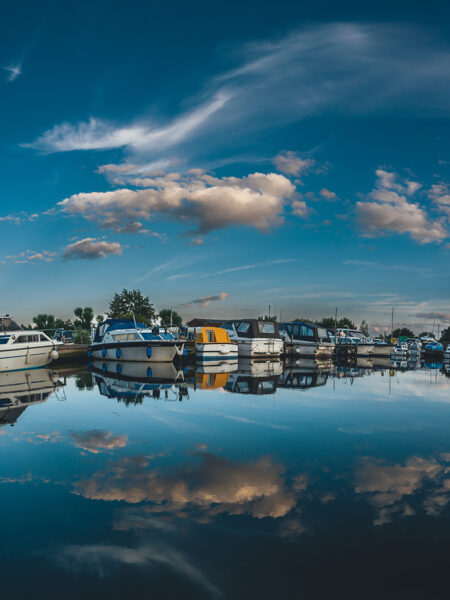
(310, 483)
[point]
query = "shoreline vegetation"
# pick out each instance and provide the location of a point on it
(132, 304)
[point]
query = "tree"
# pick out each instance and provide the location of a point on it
(85, 316)
(445, 337)
(426, 334)
(346, 323)
(44, 321)
(402, 332)
(129, 304)
(99, 319)
(169, 316)
(63, 324)
(329, 323)
(364, 328)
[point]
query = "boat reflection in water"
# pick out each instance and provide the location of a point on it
(306, 374)
(131, 382)
(21, 389)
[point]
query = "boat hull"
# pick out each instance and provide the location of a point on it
(16, 357)
(382, 349)
(137, 351)
(216, 352)
(312, 349)
(365, 349)
(260, 347)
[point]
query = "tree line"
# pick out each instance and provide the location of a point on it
(131, 304)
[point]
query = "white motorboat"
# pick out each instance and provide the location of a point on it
(24, 349)
(400, 351)
(213, 344)
(364, 345)
(307, 340)
(125, 340)
(255, 338)
(382, 348)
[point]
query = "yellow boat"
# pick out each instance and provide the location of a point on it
(213, 344)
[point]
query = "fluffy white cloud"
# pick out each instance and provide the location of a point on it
(390, 210)
(91, 248)
(291, 164)
(256, 200)
(440, 194)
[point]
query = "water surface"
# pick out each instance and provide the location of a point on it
(310, 482)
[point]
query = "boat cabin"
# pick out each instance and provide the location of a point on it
(305, 332)
(252, 328)
(211, 335)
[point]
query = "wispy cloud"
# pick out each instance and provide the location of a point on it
(347, 67)
(30, 256)
(13, 72)
(97, 134)
(206, 300)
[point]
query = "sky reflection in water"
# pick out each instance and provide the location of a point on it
(306, 482)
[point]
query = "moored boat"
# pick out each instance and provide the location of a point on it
(255, 337)
(363, 345)
(306, 339)
(214, 344)
(24, 349)
(126, 340)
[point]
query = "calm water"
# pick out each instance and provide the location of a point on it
(307, 483)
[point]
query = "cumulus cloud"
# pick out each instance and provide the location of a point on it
(91, 248)
(389, 209)
(328, 194)
(97, 440)
(256, 200)
(291, 164)
(440, 195)
(212, 485)
(205, 301)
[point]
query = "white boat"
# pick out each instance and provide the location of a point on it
(255, 338)
(305, 339)
(24, 349)
(382, 348)
(400, 351)
(364, 345)
(125, 340)
(213, 344)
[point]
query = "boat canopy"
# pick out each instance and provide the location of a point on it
(211, 335)
(253, 328)
(111, 324)
(300, 330)
(7, 324)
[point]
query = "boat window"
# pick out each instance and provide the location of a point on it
(43, 338)
(266, 327)
(243, 327)
(120, 337)
(132, 336)
(210, 335)
(306, 331)
(22, 339)
(228, 326)
(4, 339)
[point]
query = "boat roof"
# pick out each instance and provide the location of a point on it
(123, 324)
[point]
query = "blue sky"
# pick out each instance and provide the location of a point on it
(224, 159)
